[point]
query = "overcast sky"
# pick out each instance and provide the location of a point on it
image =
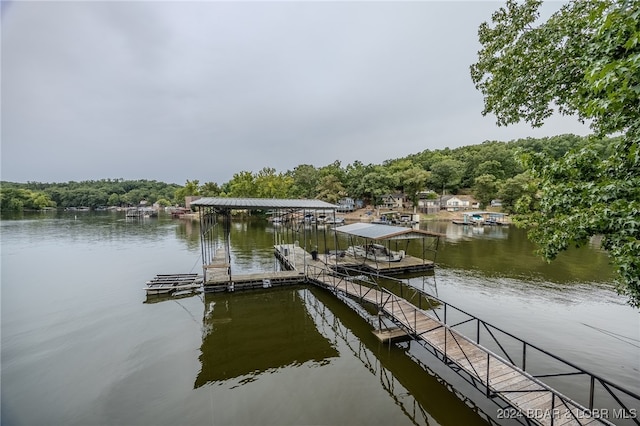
(202, 90)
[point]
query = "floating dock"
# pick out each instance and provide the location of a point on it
(218, 277)
(173, 283)
(253, 281)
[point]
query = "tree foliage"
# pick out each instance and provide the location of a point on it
(18, 199)
(270, 184)
(485, 187)
(365, 182)
(92, 193)
(584, 60)
(446, 174)
(190, 188)
(330, 189)
(413, 180)
(305, 180)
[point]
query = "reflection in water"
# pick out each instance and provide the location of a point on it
(455, 232)
(248, 334)
(505, 251)
(422, 396)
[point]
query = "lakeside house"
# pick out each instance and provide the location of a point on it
(454, 203)
(396, 200)
(428, 202)
(346, 204)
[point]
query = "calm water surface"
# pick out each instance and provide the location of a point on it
(81, 344)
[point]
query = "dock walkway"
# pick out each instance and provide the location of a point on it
(533, 400)
(219, 277)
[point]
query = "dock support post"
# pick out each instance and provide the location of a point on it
(446, 358)
(488, 390)
(445, 314)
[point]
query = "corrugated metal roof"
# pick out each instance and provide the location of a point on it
(375, 231)
(261, 203)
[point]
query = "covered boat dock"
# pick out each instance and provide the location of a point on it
(215, 235)
(384, 249)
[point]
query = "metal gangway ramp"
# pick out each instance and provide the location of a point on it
(532, 401)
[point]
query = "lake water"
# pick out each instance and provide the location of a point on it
(81, 344)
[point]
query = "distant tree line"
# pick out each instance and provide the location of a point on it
(487, 171)
(90, 193)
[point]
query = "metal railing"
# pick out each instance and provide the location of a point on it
(387, 377)
(562, 406)
(496, 336)
(407, 315)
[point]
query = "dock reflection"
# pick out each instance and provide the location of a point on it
(250, 333)
(424, 397)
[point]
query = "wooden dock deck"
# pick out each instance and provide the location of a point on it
(164, 284)
(295, 257)
(219, 277)
(530, 397)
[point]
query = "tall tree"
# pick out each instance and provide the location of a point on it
(330, 189)
(584, 60)
(413, 181)
(242, 184)
(210, 189)
(485, 188)
(354, 174)
(518, 193)
(190, 188)
(305, 181)
(376, 183)
(446, 174)
(270, 184)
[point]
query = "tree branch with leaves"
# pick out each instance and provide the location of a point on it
(583, 61)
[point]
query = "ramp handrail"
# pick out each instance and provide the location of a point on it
(608, 386)
(387, 297)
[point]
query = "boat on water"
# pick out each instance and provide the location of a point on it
(376, 253)
(334, 220)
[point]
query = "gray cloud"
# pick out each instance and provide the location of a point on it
(201, 90)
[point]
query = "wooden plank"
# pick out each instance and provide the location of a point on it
(474, 363)
(530, 400)
(514, 383)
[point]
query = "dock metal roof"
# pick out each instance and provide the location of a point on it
(375, 231)
(262, 203)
